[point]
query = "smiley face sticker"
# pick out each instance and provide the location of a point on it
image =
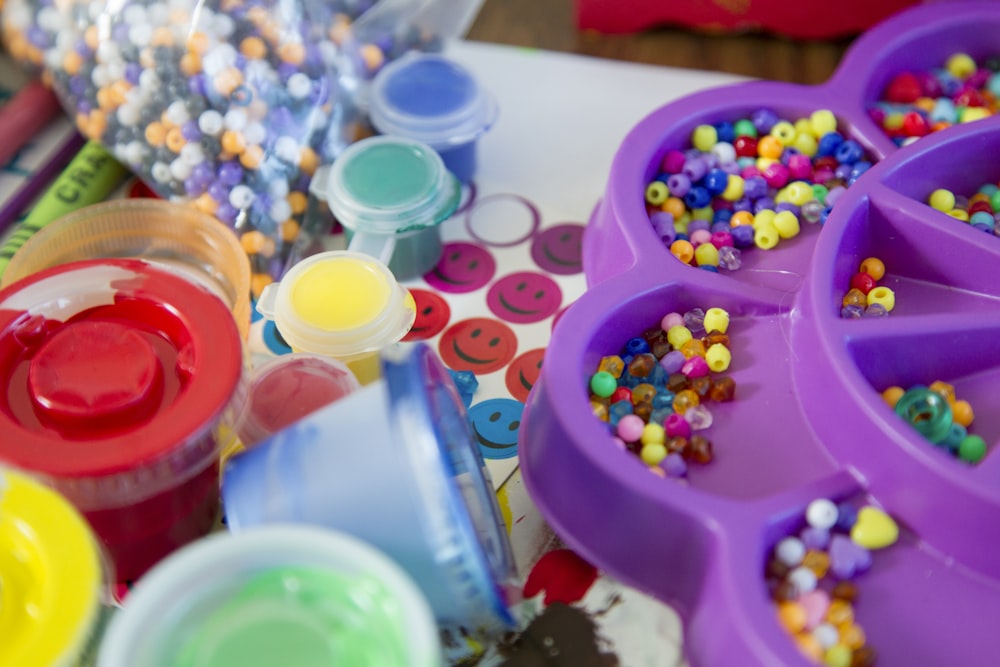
(433, 313)
(479, 344)
(524, 297)
(559, 249)
(496, 423)
(463, 267)
(523, 373)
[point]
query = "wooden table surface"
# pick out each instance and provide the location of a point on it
(549, 24)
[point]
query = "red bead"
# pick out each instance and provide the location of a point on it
(621, 394)
(745, 146)
(978, 206)
(915, 125)
(903, 89)
(969, 97)
(863, 282)
(827, 162)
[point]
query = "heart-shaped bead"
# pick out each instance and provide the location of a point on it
(874, 529)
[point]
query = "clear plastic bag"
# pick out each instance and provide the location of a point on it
(226, 105)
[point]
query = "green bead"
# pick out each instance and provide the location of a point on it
(820, 192)
(995, 200)
(927, 411)
(972, 449)
(603, 384)
(745, 128)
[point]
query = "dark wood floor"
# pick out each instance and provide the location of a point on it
(549, 24)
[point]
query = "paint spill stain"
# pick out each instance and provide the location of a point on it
(563, 575)
(561, 636)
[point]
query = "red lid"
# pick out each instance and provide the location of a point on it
(110, 365)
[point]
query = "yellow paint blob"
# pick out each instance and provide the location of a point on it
(340, 294)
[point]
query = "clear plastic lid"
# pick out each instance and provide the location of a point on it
(179, 238)
(432, 99)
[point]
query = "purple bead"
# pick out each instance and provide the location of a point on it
(672, 361)
(674, 465)
(38, 37)
(843, 171)
(815, 538)
(132, 73)
(720, 227)
(834, 194)
(763, 204)
(695, 169)
(730, 258)
(83, 106)
(852, 312)
(196, 84)
(286, 70)
(662, 222)
(697, 224)
(193, 187)
(754, 187)
(119, 32)
(742, 236)
(730, 168)
(679, 184)
(786, 206)
(82, 49)
(763, 120)
(743, 204)
(190, 131)
(77, 86)
(219, 191)
(230, 173)
(847, 516)
(226, 213)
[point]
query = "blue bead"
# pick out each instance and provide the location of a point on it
(635, 346)
(955, 437)
(466, 383)
(682, 237)
(659, 415)
(657, 377)
(716, 181)
(859, 168)
(697, 197)
(847, 516)
(829, 143)
(723, 215)
(709, 268)
(617, 410)
(849, 152)
(663, 399)
(725, 131)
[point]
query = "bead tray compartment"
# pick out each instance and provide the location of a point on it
(808, 420)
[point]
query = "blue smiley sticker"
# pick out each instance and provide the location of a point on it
(496, 423)
(273, 340)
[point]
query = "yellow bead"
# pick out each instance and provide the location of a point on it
(803, 126)
(765, 236)
(706, 255)
(612, 364)
(677, 335)
(959, 214)
(685, 400)
(799, 192)
(734, 188)
(942, 200)
(787, 224)
(961, 65)
(764, 217)
(693, 348)
(837, 655)
(703, 213)
(704, 137)
(718, 357)
(823, 121)
(882, 296)
(784, 131)
(970, 114)
(893, 121)
(945, 390)
(716, 319)
(806, 144)
(653, 454)
(653, 434)
(656, 193)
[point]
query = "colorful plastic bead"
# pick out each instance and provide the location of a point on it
(883, 296)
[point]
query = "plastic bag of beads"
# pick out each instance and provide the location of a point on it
(227, 105)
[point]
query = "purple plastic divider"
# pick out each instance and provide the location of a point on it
(808, 420)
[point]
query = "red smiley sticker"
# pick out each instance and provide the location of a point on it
(433, 313)
(479, 344)
(524, 297)
(522, 374)
(463, 267)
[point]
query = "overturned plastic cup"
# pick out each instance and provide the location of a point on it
(51, 577)
(276, 595)
(120, 379)
(390, 194)
(395, 464)
(433, 99)
(340, 304)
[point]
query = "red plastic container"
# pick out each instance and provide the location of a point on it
(118, 377)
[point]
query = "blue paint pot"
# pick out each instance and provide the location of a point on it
(432, 99)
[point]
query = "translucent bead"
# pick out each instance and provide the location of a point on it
(693, 348)
(700, 449)
(599, 407)
(723, 390)
(694, 320)
(701, 386)
(612, 365)
(619, 409)
(817, 561)
(643, 409)
(677, 444)
(656, 339)
(730, 258)
(641, 365)
(663, 399)
(811, 211)
(855, 297)
(837, 655)
(875, 310)
(657, 377)
(660, 414)
(715, 338)
(927, 411)
(677, 382)
(642, 393)
(699, 417)
(852, 312)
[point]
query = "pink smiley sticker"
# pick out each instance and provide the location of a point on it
(559, 249)
(524, 297)
(463, 267)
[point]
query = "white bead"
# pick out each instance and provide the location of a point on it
(180, 169)
(254, 133)
(140, 34)
(177, 113)
(821, 513)
(158, 14)
(160, 172)
(129, 114)
(134, 14)
(790, 551)
(99, 76)
(210, 122)
(802, 579)
(223, 25)
(826, 635)
(235, 119)
(107, 51)
(135, 151)
(280, 210)
(149, 79)
(287, 149)
(193, 154)
(299, 85)
(724, 152)
(278, 188)
(241, 196)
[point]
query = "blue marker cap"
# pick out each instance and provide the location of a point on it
(434, 100)
(396, 465)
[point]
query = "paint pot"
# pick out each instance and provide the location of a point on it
(51, 577)
(286, 389)
(390, 194)
(432, 99)
(395, 464)
(120, 377)
(278, 595)
(175, 237)
(340, 304)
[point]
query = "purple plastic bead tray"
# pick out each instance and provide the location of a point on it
(808, 420)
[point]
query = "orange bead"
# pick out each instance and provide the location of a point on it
(840, 612)
(810, 646)
(892, 395)
(682, 250)
(91, 37)
(741, 219)
(297, 201)
(252, 156)
(684, 399)
(226, 81)
(233, 142)
(852, 636)
(156, 134)
(874, 267)
(162, 36)
(175, 140)
(817, 561)
(792, 616)
(674, 206)
(943, 389)
(693, 348)
(308, 160)
(769, 147)
(292, 52)
(289, 230)
(72, 63)
(961, 412)
(257, 243)
(373, 57)
(258, 281)
(198, 43)
(253, 47)
(206, 204)
(190, 63)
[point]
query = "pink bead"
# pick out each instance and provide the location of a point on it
(776, 175)
(676, 426)
(722, 239)
(673, 162)
(700, 236)
(671, 320)
(695, 367)
(800, 167)
(750, 172)
(618, 441)
(630, 428)
(822, 175)
(815, 603)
